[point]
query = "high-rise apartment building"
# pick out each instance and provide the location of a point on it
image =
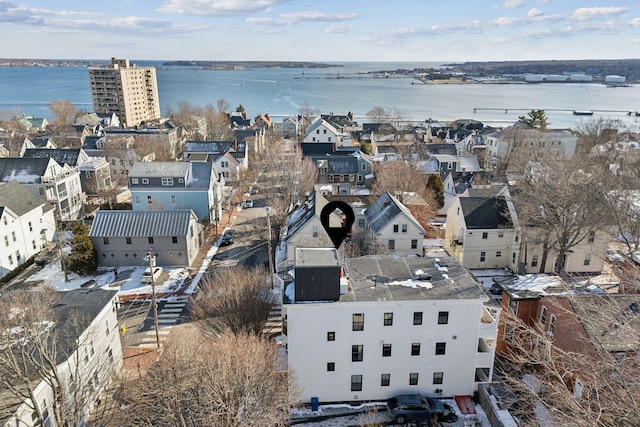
(129, 91)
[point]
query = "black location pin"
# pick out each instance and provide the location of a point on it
(337, 234)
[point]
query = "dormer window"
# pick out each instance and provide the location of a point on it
(134, 180)
(167, 181)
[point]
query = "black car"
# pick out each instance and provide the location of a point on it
(227, 238)
(414, 407)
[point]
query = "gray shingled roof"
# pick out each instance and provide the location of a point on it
(383, 210)
(207, 146)
(26, 171)
(485, 212)
(63, 156)
(20, 200)
(158, 169)
(140, 223)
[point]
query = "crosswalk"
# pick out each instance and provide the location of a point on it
(167, 317)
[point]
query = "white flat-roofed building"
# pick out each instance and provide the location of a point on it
(387, 325)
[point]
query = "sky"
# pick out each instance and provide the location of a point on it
(321, 30)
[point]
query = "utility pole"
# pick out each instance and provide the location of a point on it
(152, 264)
(268, 210)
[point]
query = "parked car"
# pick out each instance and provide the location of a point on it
(45, 256)
(227, 238)
(247, 203)
(414, 407)
(146, 276)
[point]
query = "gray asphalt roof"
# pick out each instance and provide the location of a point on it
(383, 210)
(60, 155)
(384, 278)
(485, 212)
(159, 169)
(122, 223)
(20, 200)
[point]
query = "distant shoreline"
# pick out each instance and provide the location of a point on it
(207, 65)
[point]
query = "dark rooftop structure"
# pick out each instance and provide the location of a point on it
(393, 278)
(63, 156)
(486, 212)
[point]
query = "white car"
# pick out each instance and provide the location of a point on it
(146, 276)
(247, 204)
(613, 256)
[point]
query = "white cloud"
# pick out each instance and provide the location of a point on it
(308, 16)
(588, 13)
(217, 7)
(534, 12)
(338, 29)
(513, 4)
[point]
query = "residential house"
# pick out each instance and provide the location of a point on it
(393, 227)
(377, 326)
(340, 171)
(480, 233)
(291, 126)
(177, 186)
(59, 184)
(228, 157)
(162, 134)
(527, 141)
(27, 224)
(322, 131)
(124, 238)
(33, 124)
(263, 121)
(42, 142)
(88, 354)
(304, 227)
(95, 172)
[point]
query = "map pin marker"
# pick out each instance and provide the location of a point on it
(337, 234)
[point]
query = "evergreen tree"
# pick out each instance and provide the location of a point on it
(84, 258)
(536, 119)
(435, 184)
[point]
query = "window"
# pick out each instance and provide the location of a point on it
(33, 244)
(150, 239)
(483, 256)
(498, 254)
(552, 325)
(500, 234)
(30, 226)
(587, 259)
(414, 244)
(443, 317)
(10, 260)
(6, 240)
(173, 199)
(388, 319)
(404, 228)
(592, 237)
(413, 378)
(107, 327)
(513, 257)
(364, 166)
(149, 200)
(417, 318)
(415, 349)
(224, 164)
(331, 366)
(485, 235)
(386, 350)
(396, 227)
(356, 353)
(543, 316)
(13, 235)
(174, 239)
(441, 348)
(392, 244)
(534, 261)
(385, 380)
(128, 239)
(167, 181)
(331, 336)
(137, 200)
(356, 382)
(324, 131)
(357, 322)
(134, 180)
(315, 231)
(438, 377)
(317, 131)
(105, 240)
(145, 180)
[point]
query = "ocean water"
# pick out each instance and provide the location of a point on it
(283, 91)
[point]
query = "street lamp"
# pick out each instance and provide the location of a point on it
(268, 210)
(152, 264)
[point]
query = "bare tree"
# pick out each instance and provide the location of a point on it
(378, 114)
(597, 131)
(241, 381)
(562, 201)
(33, 346)
(237, 300)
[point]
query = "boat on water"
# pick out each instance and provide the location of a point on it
(582, 113)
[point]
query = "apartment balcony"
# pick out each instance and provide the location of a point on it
(488, 322)
(61, 176)
(485, 353)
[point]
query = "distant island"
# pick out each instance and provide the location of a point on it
(243, 65)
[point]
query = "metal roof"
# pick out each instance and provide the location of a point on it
(122, 223)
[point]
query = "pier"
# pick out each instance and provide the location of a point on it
(506, 110)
